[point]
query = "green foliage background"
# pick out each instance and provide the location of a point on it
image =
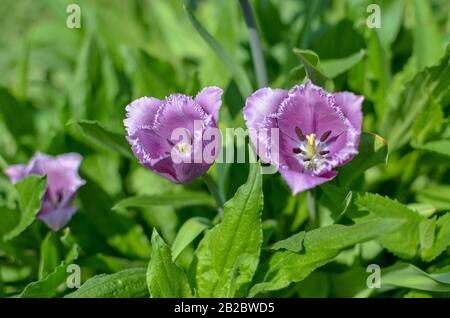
(138, 235)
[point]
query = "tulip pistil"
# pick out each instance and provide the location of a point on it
(312, 151)
(184, 148)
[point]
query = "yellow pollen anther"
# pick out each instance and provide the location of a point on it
(183, 148)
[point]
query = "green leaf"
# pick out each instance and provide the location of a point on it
(267, 11)
(49, 255)
(417, 294)
(288, 267)
(164, 278)
(437, 195)
(310, 61)
(53, 283)
(320, 246)
(424, 209)
(428, 121)
(86, 78)
(132, 243)
(129, 283)
(228, 255)
(31, 191)
(178, 200)
(404, 242)
(377, 70)
(107, 263)
(237, 72)
(104, 138)
(121, 231)
(338, 200)
(409, 276)
(373, 150)
(336, 67)
(441, 235)
(293, 243)
(316, 285)
(10, 218)
(9, 108)
(430, 85)
(426, 128)
(439, 146)
(22, 73)
(147, 73)
(428, 46)
(190, 230)
(350, 39)
(100, 167)
(392, 18)
(426, 233)
(339, 236)
(351, 283)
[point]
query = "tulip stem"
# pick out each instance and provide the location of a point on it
(215, 193)
(255, 45)
(312, 209)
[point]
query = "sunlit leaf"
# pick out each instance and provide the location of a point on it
(103, 138)
(127, 283)
(373, 150)
(403, 242)
(164, 278)
(31, 191)
(228, 255)
(181, 199)
(320, 246)
(190, 230)
(310, 61)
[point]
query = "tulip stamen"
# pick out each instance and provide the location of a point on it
(312, 152)
(300, 134)
(325, 136)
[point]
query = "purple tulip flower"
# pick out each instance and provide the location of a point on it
(63, 182)
(168, 136)
(318, 131)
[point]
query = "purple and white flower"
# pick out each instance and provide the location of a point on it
(154, 127)
(318, 131)
(63, 181)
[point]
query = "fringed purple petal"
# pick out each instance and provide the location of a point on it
(140, 113)
(351, 106)
(148, 146)
(171, 131)
(263, 105)
(210, 98)
(260, 115)
(62, 174)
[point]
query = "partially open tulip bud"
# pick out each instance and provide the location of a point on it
(177, 137)
(63, 181)
(318, 131)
